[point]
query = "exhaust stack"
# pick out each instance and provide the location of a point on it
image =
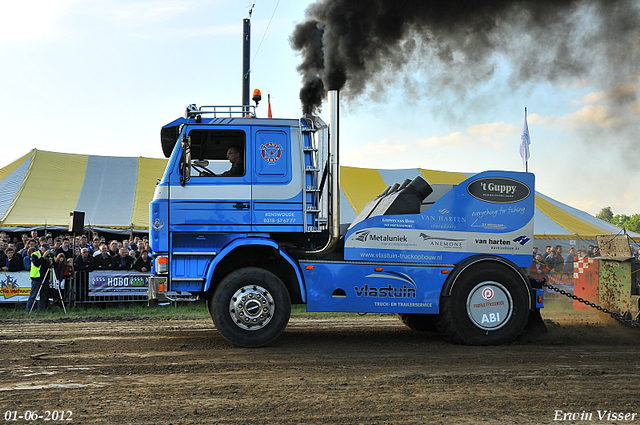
(334, 175)
(246, 60)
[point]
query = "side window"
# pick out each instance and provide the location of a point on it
(218, 153)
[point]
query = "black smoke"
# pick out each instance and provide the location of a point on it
(363, 46)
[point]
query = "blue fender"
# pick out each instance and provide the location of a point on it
(255, 241)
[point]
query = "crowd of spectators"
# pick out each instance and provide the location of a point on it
(552, 260)
(75, 254)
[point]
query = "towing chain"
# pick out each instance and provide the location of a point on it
(626, 319)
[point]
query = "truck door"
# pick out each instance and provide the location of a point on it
(277, 188)
(215, 190)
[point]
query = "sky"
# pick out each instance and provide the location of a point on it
(102, 77)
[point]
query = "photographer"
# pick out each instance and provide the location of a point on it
(40, 264)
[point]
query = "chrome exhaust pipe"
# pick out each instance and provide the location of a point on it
(333, 99)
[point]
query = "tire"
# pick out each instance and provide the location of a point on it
(488, 305)
(419, 322)
(251, 307)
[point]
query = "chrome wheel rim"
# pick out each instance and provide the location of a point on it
(251, 307)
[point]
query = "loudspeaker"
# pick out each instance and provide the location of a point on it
(76, 221)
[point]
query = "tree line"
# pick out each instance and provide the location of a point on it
(631, 223)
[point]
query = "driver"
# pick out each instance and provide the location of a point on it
(234, 155)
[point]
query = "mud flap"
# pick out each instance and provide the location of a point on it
(535, 326)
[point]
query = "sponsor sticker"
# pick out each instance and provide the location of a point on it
(498, 190)
(271, 152)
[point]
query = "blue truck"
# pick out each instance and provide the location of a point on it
(253, 242)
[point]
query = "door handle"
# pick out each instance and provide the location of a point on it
(241, 206)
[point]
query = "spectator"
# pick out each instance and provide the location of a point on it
(568, 263)
(133, 247)
(84, 264)
(32, 244)
(143, 263)
(11, 262)
(26, 260)
(84, 261)
(535, 252)
(23, 243)
(546, 253)
(65, 249)
(94, 249)
(147, 248)
(552, 262)
(538, 269)
(124, 261)
(113, 248)
(103, 261)
(62, 269)
(82, 243)
(559, 256)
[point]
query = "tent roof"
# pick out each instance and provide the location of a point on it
(41, 189)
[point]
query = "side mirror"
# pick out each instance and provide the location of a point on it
(185, 160)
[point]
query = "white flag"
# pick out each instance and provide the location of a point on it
(525, 141)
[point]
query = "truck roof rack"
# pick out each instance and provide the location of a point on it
(238, 111)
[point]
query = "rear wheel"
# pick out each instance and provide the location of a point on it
(488, 305)
(251, 307)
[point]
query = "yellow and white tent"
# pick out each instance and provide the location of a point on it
(41, 189)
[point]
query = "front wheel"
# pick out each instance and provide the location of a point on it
(251, 307)
(488, 305)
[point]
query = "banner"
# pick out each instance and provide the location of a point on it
(106, 283)
(15, 287)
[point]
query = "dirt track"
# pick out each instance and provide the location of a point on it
(360, 370)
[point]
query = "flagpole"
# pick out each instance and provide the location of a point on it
(526, 163)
